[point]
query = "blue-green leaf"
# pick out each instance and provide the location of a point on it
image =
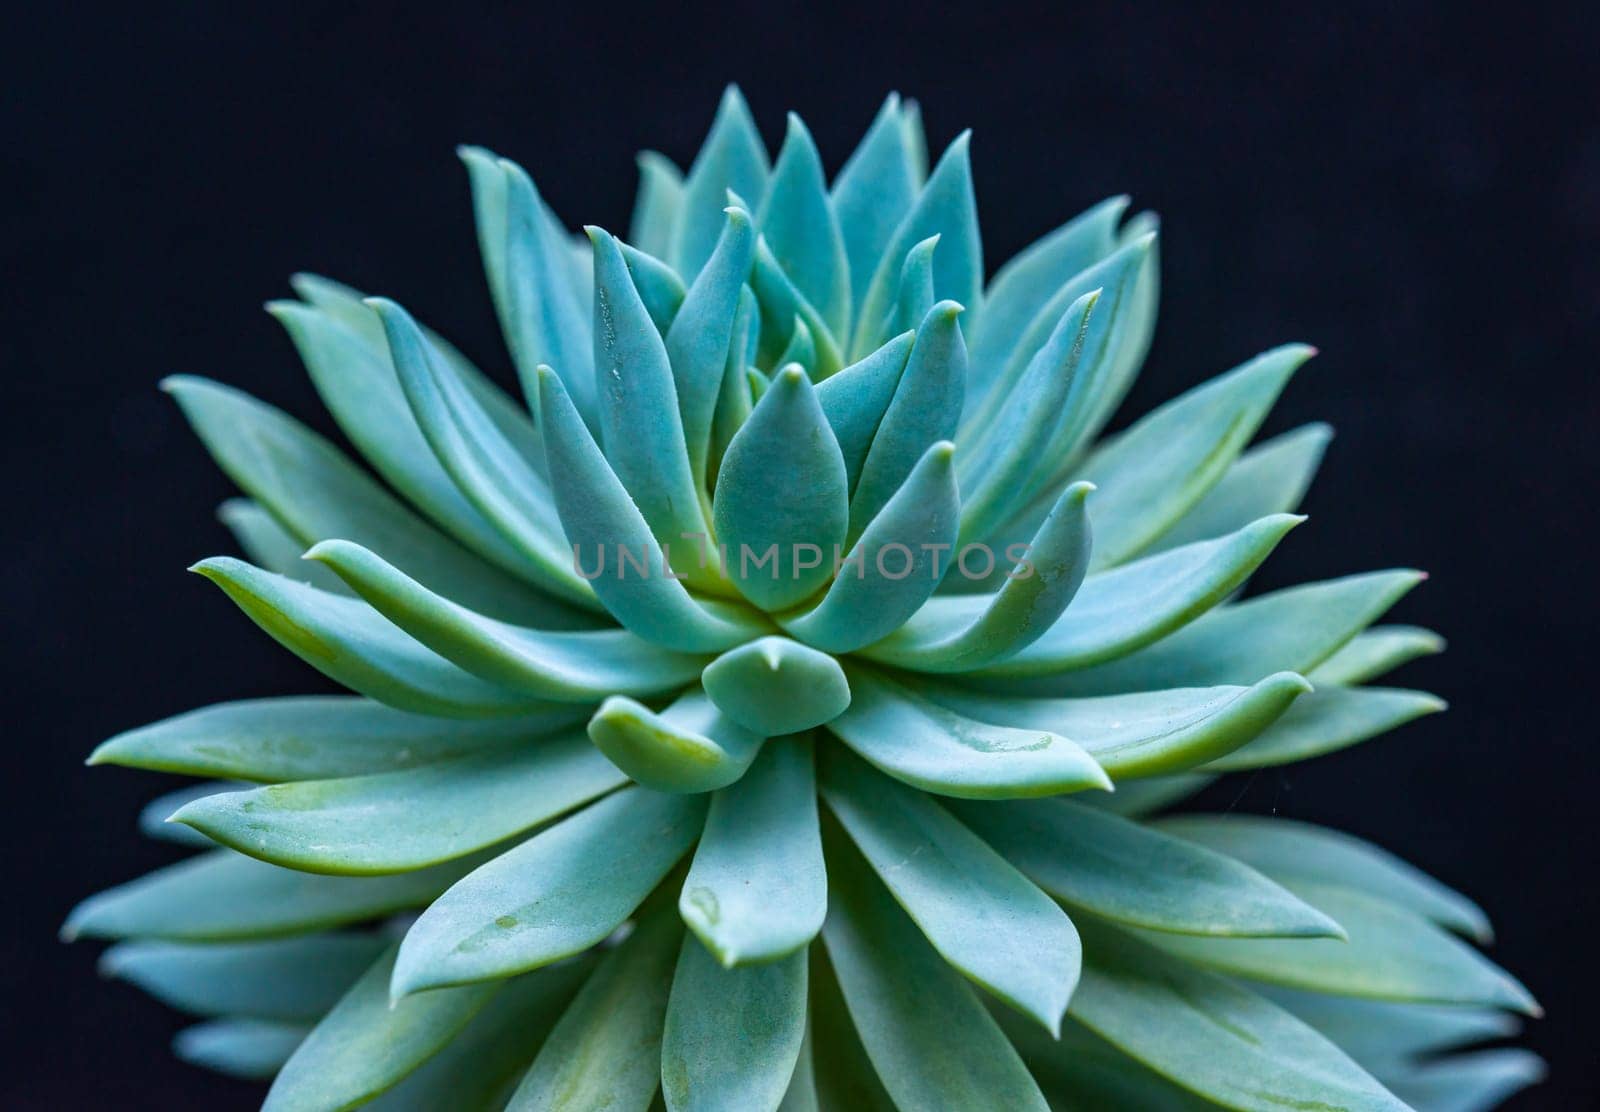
(983, 916)
(312, 737)
(895, 565)
(798, 222)
(247, 1049)
(914, 294)
(938, 750)
(1329, 719)
(657, 206)
(291, 980)
(996, 461)
(1270, 478)
(153, 815)
(776, 686)
(543, 316)
(732, 157)
(1296, 628)
(930, 1040)
(557, 894)
(497, 480)
(478, 1067)
(1032, 278)
(1126, 608)
(697, 343)
(659, 287)
(925, 410)
(873, 192)
(223, 896)
(757, 889)
(1146, 733)
(356, 381)
(1384, 1036)
(855, 399)
(352, 644)
(563, 667)
(1213, 1037)
(960, 633)
(948, 208)
(605, 1052)
(1125, 871)
(604, 525)
(781, 489)
(1469, 1082)
(268, 545)
(1286, 850)
(395, 822)
(1392, 954)
(315, 493)
(1152, 474)
(640, 425)
(783, 307)
(1375, 651)
(367, 1044)
(762, 1008)
(691, 746)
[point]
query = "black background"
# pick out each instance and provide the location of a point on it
(1414, 188)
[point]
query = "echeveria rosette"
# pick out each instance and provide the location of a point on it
(868, 825)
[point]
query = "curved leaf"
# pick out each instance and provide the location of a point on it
(732, 157)
(931, 1042)
(961, 633)
(605, 1052)
(1149, 733)
(558, 893)
(1125, 871)
(1392, 954)
(497, 480)
(659, 287)
(223, 896)
(757, 889)
(1329, 719)
(763, 1007)
(312, 737)
(248, 1049)
(1383, 1036)
(268, 545)
(566, 667)
(1270, 478)
(316, 494)
(367, 1044)
(290, 980)
(689, 747)
(782, 488)
(1375, 651)
(983, 916)
(1469, 1082)
(924, 411)
(855, 399)
(895, 565)
(775, 686)
(1150, 475)
(933, 748)
(350, 643)
(598, 516)
(395, 822)
(153, 815)
(948, 208)
(1126, 608)
(1031, 278)
(1296, 628)
(658, 204)
(1211, 1036)
(1287, 850)
(914, 294)
(873, 192)
(797, 220)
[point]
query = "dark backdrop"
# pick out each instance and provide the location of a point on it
(1414, 189)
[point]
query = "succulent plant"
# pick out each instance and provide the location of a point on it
(777, 711)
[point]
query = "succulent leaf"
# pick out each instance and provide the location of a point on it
(777, 686)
